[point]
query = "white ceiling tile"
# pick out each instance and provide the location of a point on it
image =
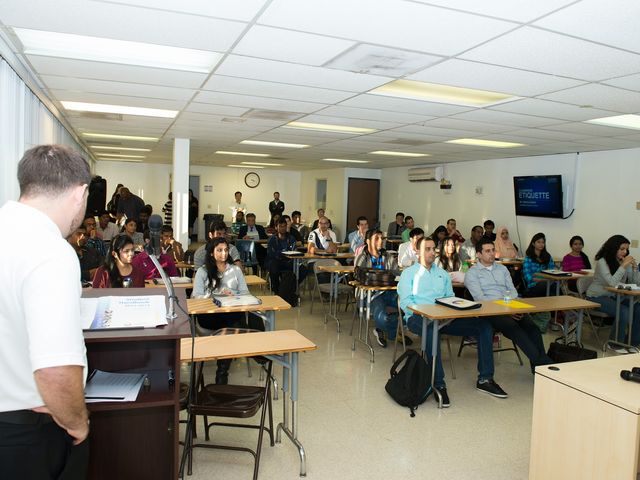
(541, 134)
(617, 22)
(611, 143)
(533, 49)
(211, 109)
(369, 114)
(260, 88)
(117, 100)
(122, 22)
(589, 129)
(505, 118)
(461, 73)
(545, 108)
(417, 107)
(434, 132)
(293, 74)
(630, 82)
(247, 101)
(231, 9)
(116, 88)
(115, 72)
(599, 96)
(460, 124)
(289, 46)
(517, 10)
(386, 22)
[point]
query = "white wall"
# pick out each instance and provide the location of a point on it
(151, 182)
(606, 192)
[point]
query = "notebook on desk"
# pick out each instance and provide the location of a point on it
(326, 254)
(557, 273)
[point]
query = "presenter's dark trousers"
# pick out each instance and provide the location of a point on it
(34, 447)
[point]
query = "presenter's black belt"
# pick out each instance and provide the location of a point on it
(25, 417)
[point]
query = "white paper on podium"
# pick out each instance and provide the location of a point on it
(144, 311)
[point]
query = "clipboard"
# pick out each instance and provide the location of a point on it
(458, 303)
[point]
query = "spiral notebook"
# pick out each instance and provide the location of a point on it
(457, 303)
(235, 300)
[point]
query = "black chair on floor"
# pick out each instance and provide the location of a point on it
(229, 401)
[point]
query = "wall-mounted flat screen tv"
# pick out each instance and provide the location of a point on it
(538, 196)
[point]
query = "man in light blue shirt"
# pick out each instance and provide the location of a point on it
(356, 238)
(422, 283)
(488, 280)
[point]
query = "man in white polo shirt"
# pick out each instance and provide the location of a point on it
(43, 418)
(322, 239)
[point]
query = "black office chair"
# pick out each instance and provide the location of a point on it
(248, 255)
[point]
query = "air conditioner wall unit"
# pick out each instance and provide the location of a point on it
(425, 174)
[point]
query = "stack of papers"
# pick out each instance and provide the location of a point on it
(235, 300)
(144, 311)
(113, 387)
(174, 280)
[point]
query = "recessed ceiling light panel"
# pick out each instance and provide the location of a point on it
(242, 154)
(123, 109)
(344, 160)
(273, 144)
(399, 154)
(120, 137)
(619, 121)
(325, 127)
(485, 143)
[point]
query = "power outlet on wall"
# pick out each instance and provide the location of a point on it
(634, 243)
(637, 205)
(479, 190)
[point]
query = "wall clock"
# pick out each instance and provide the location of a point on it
(252, 179)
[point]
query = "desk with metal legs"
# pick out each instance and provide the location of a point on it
(441, 316)
(299, 259)
(281, 346)
(632, 295)
(338, 272)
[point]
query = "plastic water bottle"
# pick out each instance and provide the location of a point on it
(507, 296)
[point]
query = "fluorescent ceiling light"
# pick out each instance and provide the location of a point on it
(399, 154)
(244, 154)
(121, 159)
(120, 137)
(123, 109)
(273, 144)
(244, 166)
(434, 92)
(118, 155)
(344, 160)
(65, 45)
(263, 163)
(485, 143)
(325, 127)
(618, 121)
(128, 149)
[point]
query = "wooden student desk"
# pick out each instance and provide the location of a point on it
(269, 306)
(299, 259)
(281, 346)
(586, 421)
(561, 281)
(441, 316)
(137, 439)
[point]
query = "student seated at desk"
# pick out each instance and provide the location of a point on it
(118, 270)
(131, 229)
(407, 252)
(614, 265)
(276, 263)
(505, 248)
(488, 280)
(384, 308)
(409, 224)
(218, 276)
(143, 263)
(170, 246)
(89, 258)
(422, 284)
(356, 238)
(576, 259)
(292, 231)
(322, 238)
(449, 260)
(216, 230)
(438, 236)
(537, 259)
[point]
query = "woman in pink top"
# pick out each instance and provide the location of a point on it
(576, 259)
(504, 246)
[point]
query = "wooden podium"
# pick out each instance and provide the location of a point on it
(137, 439)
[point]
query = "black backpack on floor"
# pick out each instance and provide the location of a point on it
(410, 385)
(287, 290)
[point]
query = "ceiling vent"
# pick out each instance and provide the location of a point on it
(376, 60)
(271, 115)
(425, 174)
(101, 116)
(407, 141)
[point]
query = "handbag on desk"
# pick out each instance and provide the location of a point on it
(571, 352)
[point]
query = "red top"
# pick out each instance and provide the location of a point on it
(143, 263)
(573, 264)
(101, 278)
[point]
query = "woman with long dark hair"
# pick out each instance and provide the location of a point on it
(537, 258)
(614, 265)
(219, 276)
(118, 271)
(131, 229)
(449, 260)
(576, 259)
(439, 235)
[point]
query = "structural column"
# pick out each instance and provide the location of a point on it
(180, 189)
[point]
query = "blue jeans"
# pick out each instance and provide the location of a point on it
(387, 322)
(608, 306)
(462, 327)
